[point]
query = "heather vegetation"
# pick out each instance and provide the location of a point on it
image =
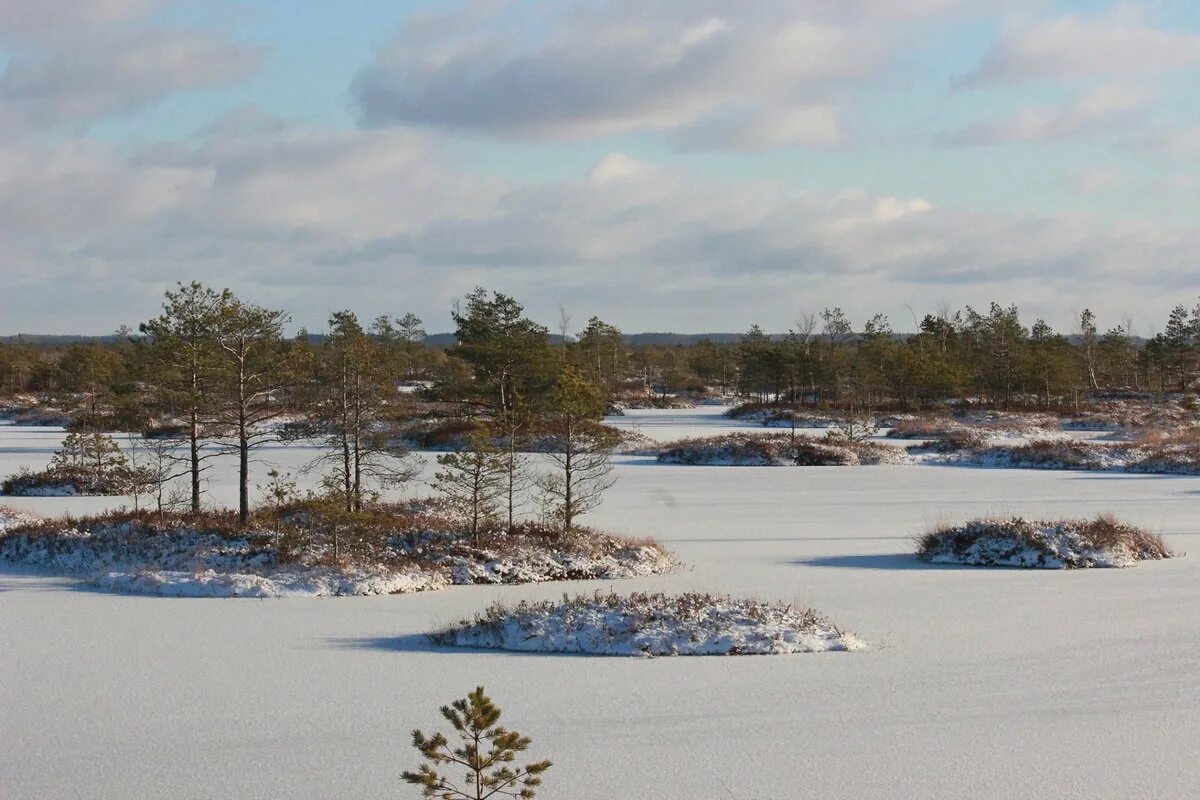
(314, 547)
(762, 450)
(645, 624)
(1062, 544)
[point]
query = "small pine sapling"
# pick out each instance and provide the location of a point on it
(487, 751)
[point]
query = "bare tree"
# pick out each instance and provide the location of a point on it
(564, 324)
(512, 429)
(156, 464)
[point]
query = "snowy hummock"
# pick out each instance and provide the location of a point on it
(1168, 458)
(133, 556)
(777, 450)
(650, 625)
(1062, 544)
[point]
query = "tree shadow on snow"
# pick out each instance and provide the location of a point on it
(892, 561)
(419, 643)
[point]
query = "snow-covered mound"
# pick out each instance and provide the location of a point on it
(775, 450)
(1171, 457)
(136, 554)
(650, 625)
(1063, 544)
(62, 483)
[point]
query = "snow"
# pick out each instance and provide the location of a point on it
(280, 583)
(651, 625)
(993, 684)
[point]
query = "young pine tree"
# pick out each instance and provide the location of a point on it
(473, 480)
(486, 752)
(581, 448)
(354, 383)
(95, 462)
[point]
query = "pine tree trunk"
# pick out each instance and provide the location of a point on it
(194, 447)
(243, 474)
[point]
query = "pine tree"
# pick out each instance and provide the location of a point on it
(486, 752)
(581, 447)
(349, 397)
(183, 348)
(473, 481)
(95, 462)
(508, 353)
(256, 369)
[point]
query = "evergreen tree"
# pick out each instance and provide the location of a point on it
(485, 754)
(348, 399)
(508, 353)
(580, 447)
(1178, 337)
(184, 350)
(473, 480)
(256, 369)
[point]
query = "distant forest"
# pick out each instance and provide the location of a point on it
(497, 358)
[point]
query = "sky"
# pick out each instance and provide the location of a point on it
(666, 165)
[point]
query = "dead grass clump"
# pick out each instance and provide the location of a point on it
(1061, 453)
(926, 428)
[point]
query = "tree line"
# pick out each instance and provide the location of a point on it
(222, 371)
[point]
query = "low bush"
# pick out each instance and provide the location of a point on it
(311, 548)
(644, 624)
(780, 449)
(1062, 544)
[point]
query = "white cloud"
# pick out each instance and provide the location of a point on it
(705, 73)
(1116, 44)
(97, 76)
(24, 19)
(384, 221)
(1096, 110)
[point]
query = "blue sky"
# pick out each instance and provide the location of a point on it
(665, 164)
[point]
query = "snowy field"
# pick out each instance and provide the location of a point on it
(979, 683)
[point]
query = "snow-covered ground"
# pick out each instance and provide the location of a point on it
(998, 684)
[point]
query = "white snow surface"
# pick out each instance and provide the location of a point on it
(653, 625)
(992, 684)
(309, 582)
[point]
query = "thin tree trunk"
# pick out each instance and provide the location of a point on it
(194, 446)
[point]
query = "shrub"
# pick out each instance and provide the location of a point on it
(777, 449)
(486, 752)
(645, 624)
(1017, 542)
